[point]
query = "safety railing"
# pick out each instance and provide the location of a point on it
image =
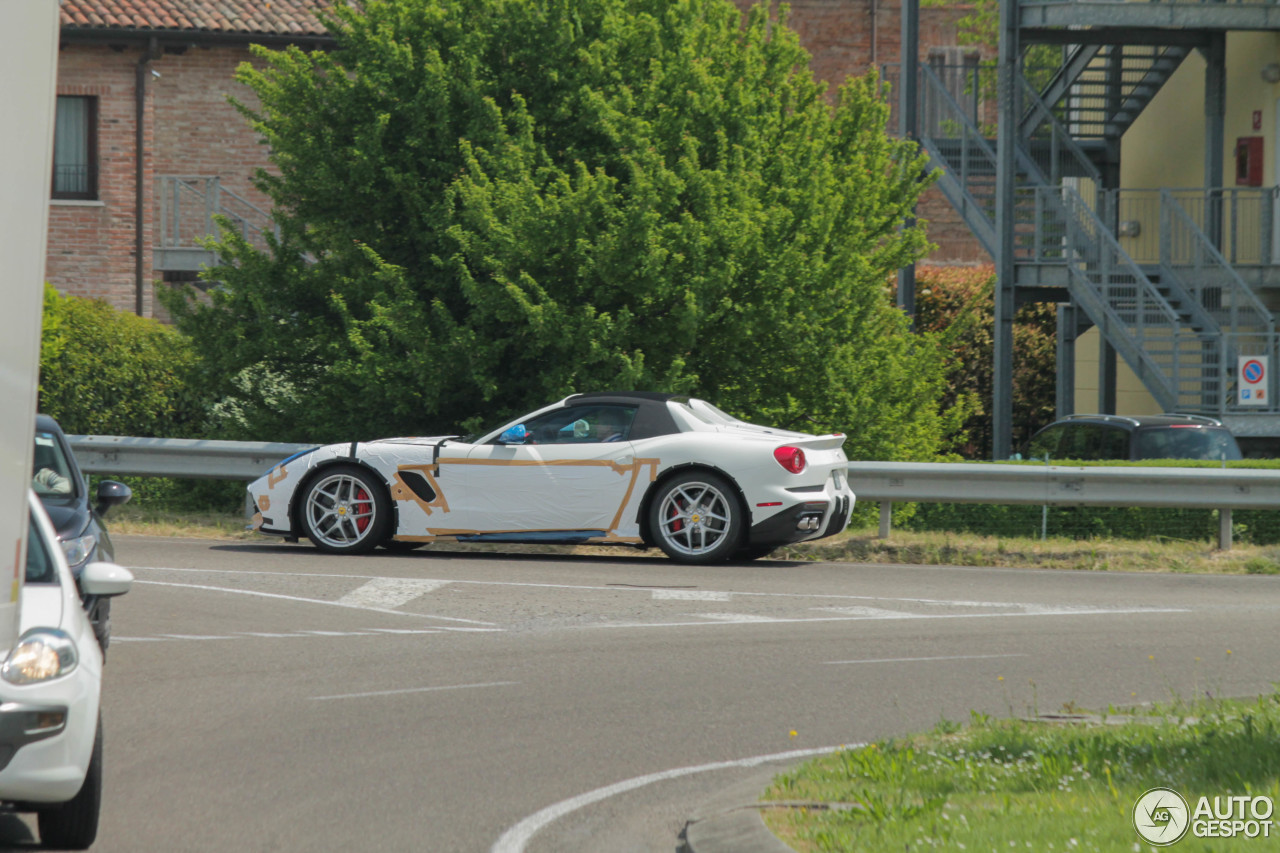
(1226, 489)
(188, 207)
(884, 483)
(1240, 221)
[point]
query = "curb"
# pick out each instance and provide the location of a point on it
(730, 821)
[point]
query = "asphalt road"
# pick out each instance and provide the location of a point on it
(266, 697)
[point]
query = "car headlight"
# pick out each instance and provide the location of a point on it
(79, 549)
(41, 654)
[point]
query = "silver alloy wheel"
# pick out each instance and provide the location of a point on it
(694, 518)
(340, 510)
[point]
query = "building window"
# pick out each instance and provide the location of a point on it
(75, 148)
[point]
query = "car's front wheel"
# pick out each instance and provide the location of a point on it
(73, 825)
(345, 511)
(695, 518)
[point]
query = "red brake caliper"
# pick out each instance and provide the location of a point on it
(675, 513)
(362, 509)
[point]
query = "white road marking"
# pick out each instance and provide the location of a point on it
(1039, 609)
(413, 690)
(267, 635)
(515, 839)
(194, 637)
(278, 596)
(913, 660)
(690, 595)
(869, 612)
(730, 619)
(390, 592)
(736, 617)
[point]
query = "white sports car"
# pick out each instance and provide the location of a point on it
(625, 468)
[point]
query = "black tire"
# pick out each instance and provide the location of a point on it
(696, 517)
(101, 621)
(345, 510)
(398, 546)
(754, 552)
(73, 825)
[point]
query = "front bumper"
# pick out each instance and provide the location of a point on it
(47, 763)
(22, 723)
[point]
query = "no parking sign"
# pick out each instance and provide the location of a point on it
(1252, 370)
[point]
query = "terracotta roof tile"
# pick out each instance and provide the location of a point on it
(292, 17)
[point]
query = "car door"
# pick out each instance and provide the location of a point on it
(571, 471)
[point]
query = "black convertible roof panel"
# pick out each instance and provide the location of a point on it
(652, 418)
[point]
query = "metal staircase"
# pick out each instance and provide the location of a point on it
(1099, 90)
(1179, 323)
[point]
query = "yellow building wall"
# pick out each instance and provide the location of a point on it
(1131, 397)
(1165, 148)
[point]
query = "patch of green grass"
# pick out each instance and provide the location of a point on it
(970, 549)
(1030, 784)
(150, 521)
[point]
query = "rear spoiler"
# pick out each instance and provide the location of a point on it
(818, 442)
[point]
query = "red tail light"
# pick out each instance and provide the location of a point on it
(791, 458)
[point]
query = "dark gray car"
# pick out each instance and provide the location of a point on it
(63, 490)
(1097, 437)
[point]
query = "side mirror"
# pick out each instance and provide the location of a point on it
(112, 493)
(513, 435)
(105, 579)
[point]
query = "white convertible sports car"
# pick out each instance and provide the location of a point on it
(625, 468)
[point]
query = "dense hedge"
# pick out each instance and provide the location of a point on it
(107, 372)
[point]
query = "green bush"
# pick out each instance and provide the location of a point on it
(107, 372)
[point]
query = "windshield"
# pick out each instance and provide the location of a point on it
(1185, 443)
(51, 471)
(707, 413)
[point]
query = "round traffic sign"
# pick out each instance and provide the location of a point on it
(1252, 371)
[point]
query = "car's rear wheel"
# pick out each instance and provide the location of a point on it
(695, 518)
(346, 511)
(73, 825)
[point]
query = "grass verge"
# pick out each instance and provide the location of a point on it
(969, 549)
(1066, 785)
(147, 521)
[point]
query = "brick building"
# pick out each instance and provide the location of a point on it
(153, 76)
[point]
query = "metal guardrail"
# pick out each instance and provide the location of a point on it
(1223, 489)
(885, 483)
(179, 457)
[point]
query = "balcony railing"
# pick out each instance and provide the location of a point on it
(187, 208)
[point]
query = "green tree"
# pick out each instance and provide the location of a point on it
(958, 304)
(487, 205)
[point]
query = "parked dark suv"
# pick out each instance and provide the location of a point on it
(1087, 437)
(76, 515)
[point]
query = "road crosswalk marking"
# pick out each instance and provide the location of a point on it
(390, 592)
